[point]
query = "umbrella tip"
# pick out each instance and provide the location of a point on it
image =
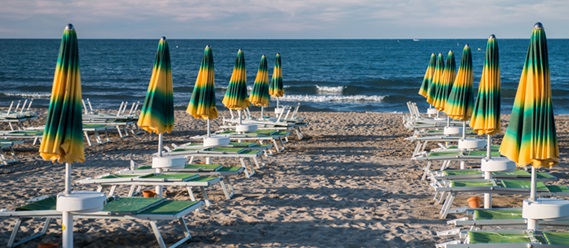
(163, 38)
(492, 36)
(69, 26)
(466, 46)
(538, 25)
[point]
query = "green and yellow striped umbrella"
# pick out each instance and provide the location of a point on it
(157, 112)
(486, 115)
(445, 84)
(63, 133)
(437, 77)
(202, 103)
(236, 97)
(428, 76)
(260, 93)
(460, 101)
(276, 86)
(530, 138)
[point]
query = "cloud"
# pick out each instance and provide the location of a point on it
(281, 18)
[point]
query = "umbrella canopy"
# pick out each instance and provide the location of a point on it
(157, 112)
(530, 138)
(445, 84)
(276, 86)
(428, 76)
(63, 133)
(437, 76)
(202, 103)
(236, 97)
(260, 93)
(460, 101)
(486, 115)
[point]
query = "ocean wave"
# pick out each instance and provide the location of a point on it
(29, 95)
(330, 89)
(332, 98)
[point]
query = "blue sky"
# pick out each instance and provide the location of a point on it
(283, 19)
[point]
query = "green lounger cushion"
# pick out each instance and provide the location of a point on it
(522, 184)
(177, 176)
(230, 169)
(203, 167)
(558, 188)
(471, 183)
(110, 176)
(495, 237)
(556, 238)
(496, 214)
(169, 207)
(226, 149)
(461, 172)
(48, 203)
(243, 144)
(131, 205)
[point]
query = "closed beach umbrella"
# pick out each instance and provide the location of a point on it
(157, 113)
(63, 133)
(437, 77)
(460, 101)
(260, 93)
(530, 138)
(202, 103)
(428, 76)
(276, 87)
(445, 84)
(236, 97)
(486, 115)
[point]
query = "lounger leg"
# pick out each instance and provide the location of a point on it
(244, 165)
(447, 205)
(112, 190)
(191, 193)
(157, 234)
(87, 138)
(205, 196)
(119, 130)
(426, 170)
(225, 187)
(131, 191)
(17, 228)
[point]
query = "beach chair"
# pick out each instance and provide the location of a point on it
(498, 217)
(243, 154)
(492, 186)
(217, 170)
(511, 239)
(8, 146)
(136, 181)
(123, 121)
(17, 115)
(466, 174)
(447, 156)
(277, 138)
(27, 134)
(151, 210)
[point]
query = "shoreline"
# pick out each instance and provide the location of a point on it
(349, 182)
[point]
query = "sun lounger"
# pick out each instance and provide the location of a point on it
(477, 174)
(198, 144)
(500, 217)
(8, 145)
(261, 136)
(511, 239)
(223, 152)
(447, 156)
(151, 210)
(136, 181)
(200, 169)
(494, 186)
(16, 116)
(26, 134)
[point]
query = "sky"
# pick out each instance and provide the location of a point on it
(283, 19)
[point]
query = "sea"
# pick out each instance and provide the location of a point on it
(322, 75)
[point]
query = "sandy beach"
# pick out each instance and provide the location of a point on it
(349, 183)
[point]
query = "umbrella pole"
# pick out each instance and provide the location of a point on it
(159, 145)
(463, 129)
(208, 132)
(532, 196)
(67, 216)
(277, 102)
(239, 116)
(488, 174)
(262, 114)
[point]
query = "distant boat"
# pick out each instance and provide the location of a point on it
(415, 39)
